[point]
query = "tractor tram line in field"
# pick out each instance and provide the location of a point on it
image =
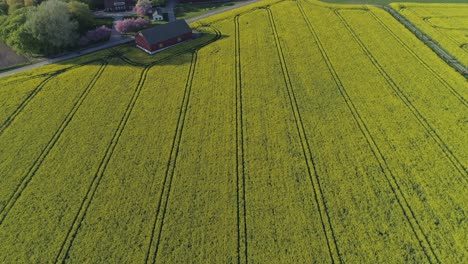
(156, 230)
(20, 80)
(55, 72)
(385, 168)
(166, 188)
(306, 149)
(437, 29)
(428, 20)
(37, 163)
(81, 214)
(158, 220)
(28, 99)
(242, 246)
(404, 98)
(87, 200)
(429, 68)
(71, 234)
(38, 88)
(46, 74)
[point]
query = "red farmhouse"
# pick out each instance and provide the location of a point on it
(156, 38)
(118, 5)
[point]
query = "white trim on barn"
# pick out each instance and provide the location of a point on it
(147, 51)
(156, 51)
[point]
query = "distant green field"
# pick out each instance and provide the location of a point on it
(290, 132)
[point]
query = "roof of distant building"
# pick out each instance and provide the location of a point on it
(164, 32)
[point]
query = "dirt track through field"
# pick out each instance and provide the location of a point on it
(242, 246)
(37, 163)
(376, 151)
(308, 155)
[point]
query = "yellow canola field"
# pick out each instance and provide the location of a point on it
(291, 131)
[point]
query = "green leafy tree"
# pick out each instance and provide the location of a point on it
(51, 24)
(143, 7)
(12, 2)
(3, 8)
(30, 2)
(14, 33)
(158, 2)
(96, 4)
(15, 6)
(80, 13)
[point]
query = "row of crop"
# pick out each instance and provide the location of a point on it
(199, 224)
(36, 226)
(450, 105)
(432, 108)
(450, 39)
(35, 124)
(177, 186)
(27, 177)
(445, 76)
(242, 243)
(283, 217)
(12, 95)
(348, 163)
(306, 149)
(17, 91)
(166, 189)
(89, 192)
(401, 140)
(123, 206)
(148, 228)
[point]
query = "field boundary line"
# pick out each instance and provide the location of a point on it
(66, 244)
(404, 98)
(153, 246)
(384, 167)
(45, 152)
(307, 152)
(410, 51)
(242, 243)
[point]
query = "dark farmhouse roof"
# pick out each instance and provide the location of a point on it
(164, 32)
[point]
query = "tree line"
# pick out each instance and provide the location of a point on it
(44, 27)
